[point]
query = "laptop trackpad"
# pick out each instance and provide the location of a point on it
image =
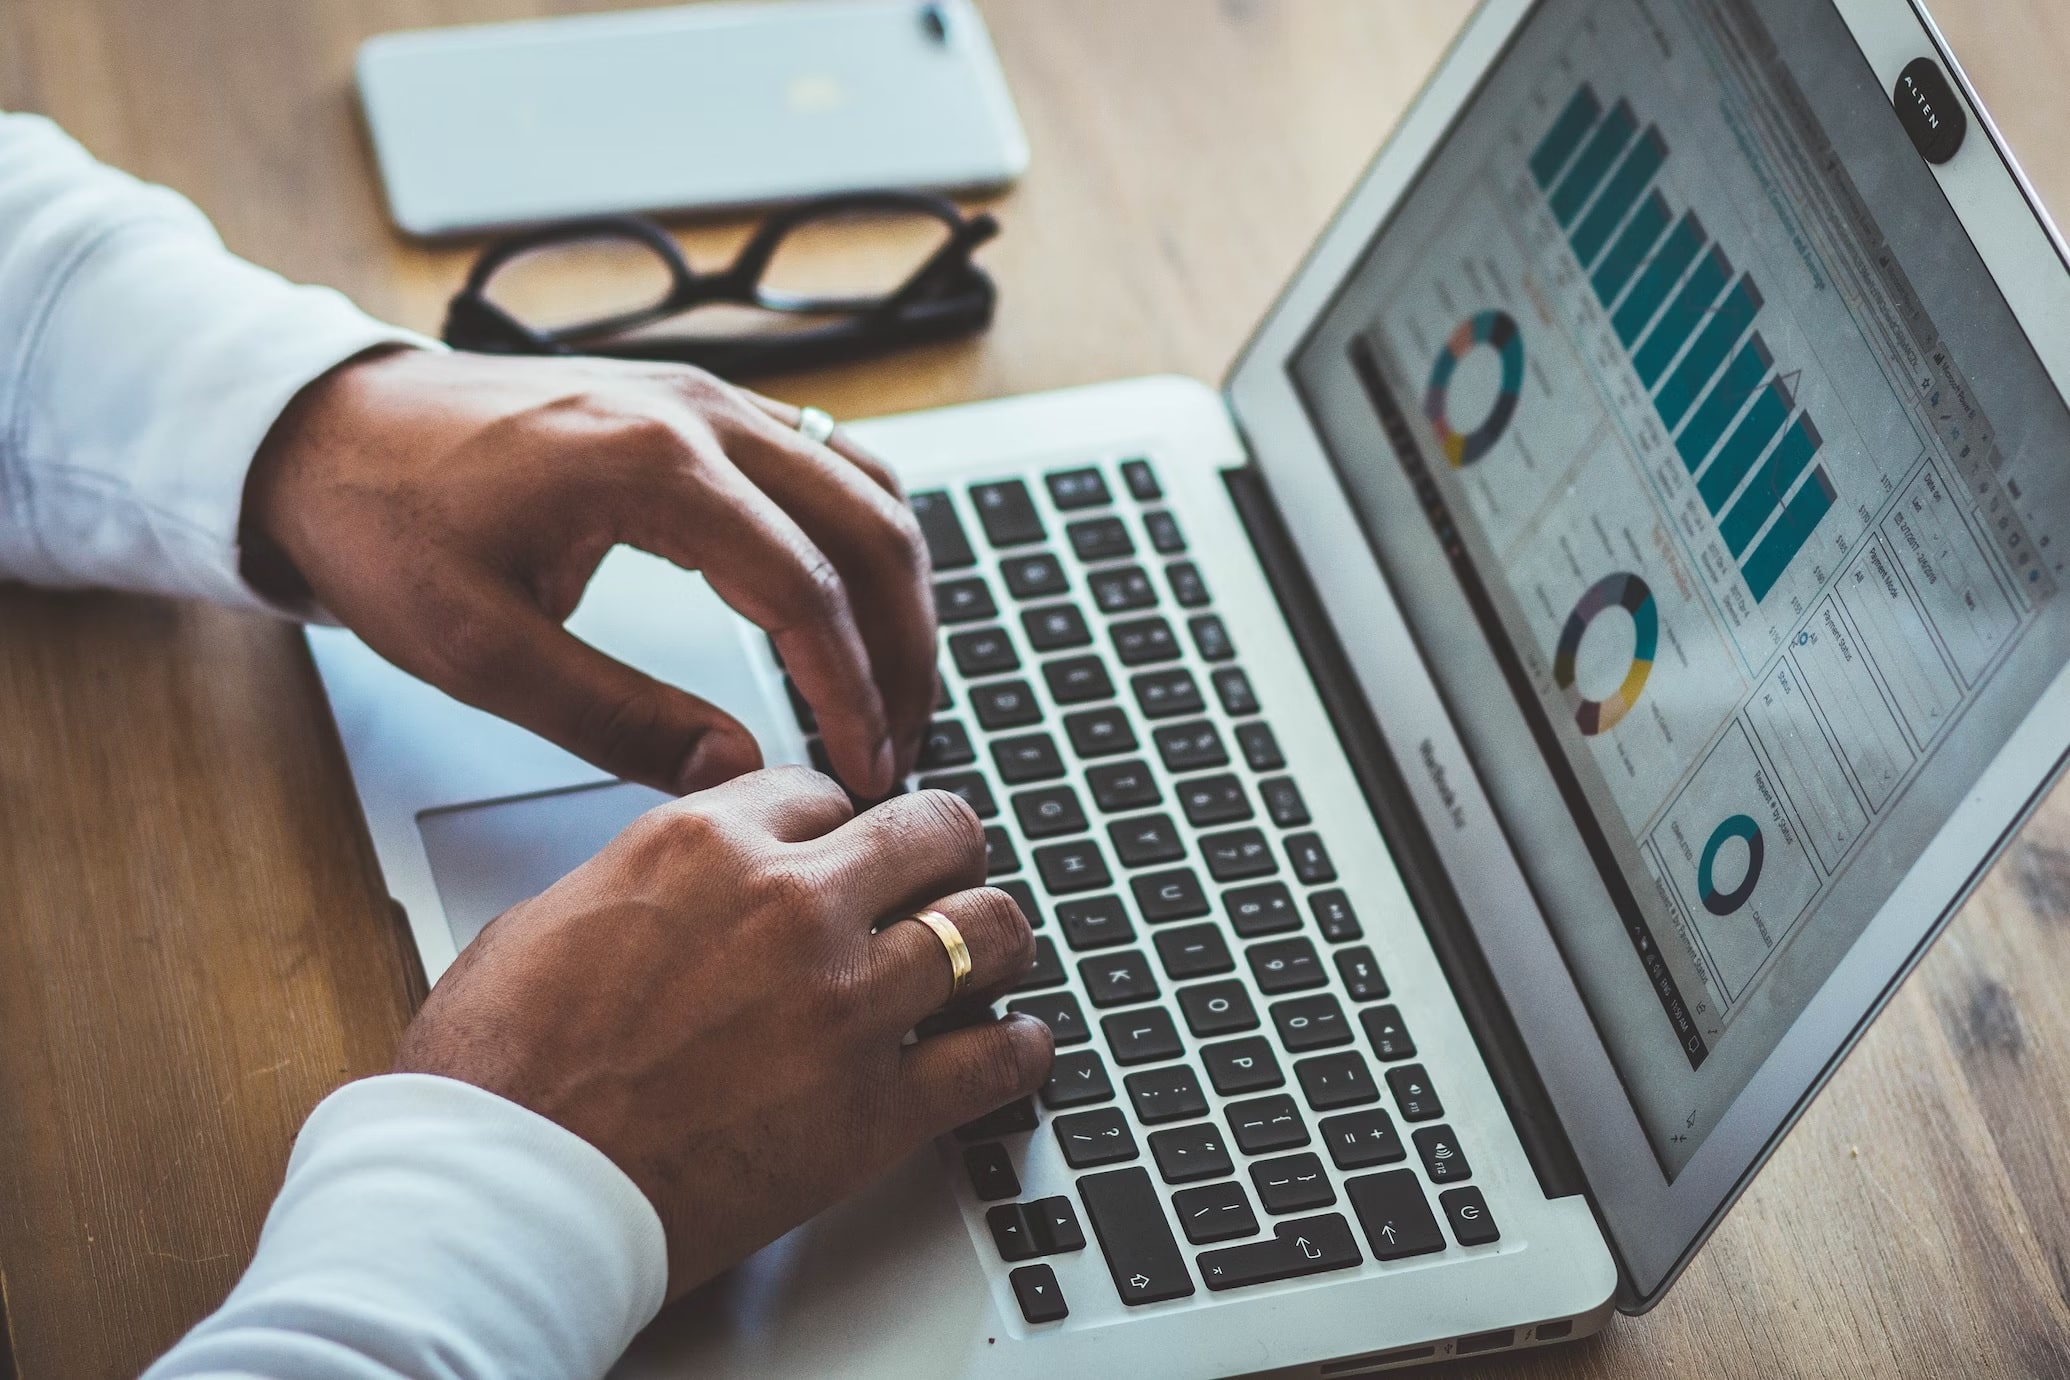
(487, 857)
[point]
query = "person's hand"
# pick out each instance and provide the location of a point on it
(450, 509)
(736, 1047)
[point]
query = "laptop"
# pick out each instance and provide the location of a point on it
(1475, 775)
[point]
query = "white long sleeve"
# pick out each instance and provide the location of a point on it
(430, 1229)
(426, 1228)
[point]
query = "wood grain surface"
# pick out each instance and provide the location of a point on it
(194, 941)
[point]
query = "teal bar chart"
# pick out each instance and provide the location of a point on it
(1688, 319)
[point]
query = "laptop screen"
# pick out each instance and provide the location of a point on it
(1751, 491)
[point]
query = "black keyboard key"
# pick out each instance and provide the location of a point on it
(1295, 1183)
(1122, 786)
(1005, 704)
(1145, 840)
(1007, 511)
(801, 709)
(1193, 951)
(942, 698)
(1049, 812)
(1011, 1232)
(1070, 489)
(1077, 679)
(1059, 1011)
(1098, 922)
(1161, 694)
(1141, 480)
(1312, 1022)
(1472, 1223)
(1212, 800)
(963, 601)
(1361, 974)
(1035, 1290)
(1397, 1219)
(1053, 627)
(1443, 1160)
(991, 1172)
(1414, 1098)
(1000, 859)
(1118, 979)
(1233, 689)
(983, 652)
(1255, 911)
(1217, 1008)
(1283, 802)
(1188, 588)
(1100, 539)
(1095, 1138)
(1164, 531)
(1055, 1224)
(1100, 732)
(1187, 1154)
(1122, 590)
(1386, 1033)
(1330, 1081)
(947, 547)
(1237, 854)
(1360, 1140)
(1166, 1094)
(1142, 641)
(1241, 1066)
(1259, 747)
(1141, 1037)
(947, 745)
(1030, 757)
(1137, 1241)
(1210, 638)
(1023, 896)
(1173, 895)
(1306, 1246)
(1214, 1212)
(1046, 971)
(1285, 965)
(1191, 746)
(1077, 1079)
(1311, 861)
(1072, 867)
(1036, 576)
(1265, 1124)
(968, 784)
(1014, 1118)
(1335, 917)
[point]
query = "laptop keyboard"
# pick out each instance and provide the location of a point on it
(1236, 1098)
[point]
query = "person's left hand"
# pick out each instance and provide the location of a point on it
(451, 508)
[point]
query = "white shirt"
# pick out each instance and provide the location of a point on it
(426, 1227)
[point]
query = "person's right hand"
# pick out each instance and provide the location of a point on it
(704, 1001)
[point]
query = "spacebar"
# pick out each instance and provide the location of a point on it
(1135, 1237)
(1307, 1247)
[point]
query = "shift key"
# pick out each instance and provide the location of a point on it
(1129, 1220)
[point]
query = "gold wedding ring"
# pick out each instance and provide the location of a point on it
(815, 426)
(952, 943)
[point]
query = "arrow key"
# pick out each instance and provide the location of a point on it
(1077, 1079)
(1035, 1289)
(1395, 1215)
(1307, 1246)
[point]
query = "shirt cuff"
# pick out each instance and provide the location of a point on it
(427, 1227)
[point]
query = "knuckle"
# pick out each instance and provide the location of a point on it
(999, 1067)
(900, 543)
(950, 818)
(785, 889)
(814, 592)
(612, 731)
(676, 828)
(1006, 928)
(797, 779)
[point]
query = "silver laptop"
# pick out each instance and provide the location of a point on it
(1475, 775)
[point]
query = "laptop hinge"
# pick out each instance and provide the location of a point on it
(1386, 791)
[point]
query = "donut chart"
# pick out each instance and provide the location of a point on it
(1497, 330)
(1620, 591)
(1725, 903)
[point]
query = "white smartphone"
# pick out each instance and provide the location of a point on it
(686, 108)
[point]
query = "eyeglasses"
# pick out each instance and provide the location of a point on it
(945, 297)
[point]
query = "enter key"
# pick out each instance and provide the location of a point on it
(1308, 1246)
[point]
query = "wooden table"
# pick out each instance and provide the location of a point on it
(196, 941)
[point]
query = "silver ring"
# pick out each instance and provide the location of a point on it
(815, 425)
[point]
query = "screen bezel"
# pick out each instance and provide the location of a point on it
(1654, 1224)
